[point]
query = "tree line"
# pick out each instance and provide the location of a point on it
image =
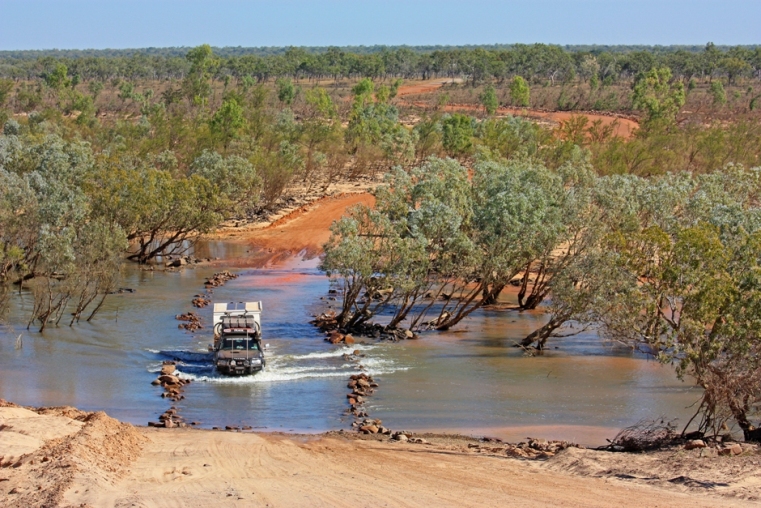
(538, 63)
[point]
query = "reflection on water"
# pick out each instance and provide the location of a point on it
(470, 381)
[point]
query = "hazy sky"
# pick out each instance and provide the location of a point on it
(42, 24)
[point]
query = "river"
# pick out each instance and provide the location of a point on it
(469, 381)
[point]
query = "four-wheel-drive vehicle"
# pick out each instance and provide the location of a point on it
(238, 338)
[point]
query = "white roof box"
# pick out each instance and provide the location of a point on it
(237, 309)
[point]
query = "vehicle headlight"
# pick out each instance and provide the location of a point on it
(256, 361)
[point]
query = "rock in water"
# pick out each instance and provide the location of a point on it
(369, 429)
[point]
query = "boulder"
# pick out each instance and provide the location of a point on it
(168, 370)
(348, 340)
(736, 448)
(695, 443)
(369, 429)
(167, 379)
(335, 337)
(400, 437)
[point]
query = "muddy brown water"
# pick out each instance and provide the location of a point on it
(470, 381)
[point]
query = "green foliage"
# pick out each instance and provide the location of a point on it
(84, 104)
(514, 137)
(197, 83)
(235, 179)
(465, 238)
(457, 134)
(58, 78)
(29, 97)
(687, 255)
(718, 93)
(321, 103)
(277, 168)
(158, 211)
(6, 87)
(227, 121)
(126, 90)
(95, 87)
(286, 91)
(659, 97)
(48, 233)
(489, 100)
(594, 82)
(520, 92)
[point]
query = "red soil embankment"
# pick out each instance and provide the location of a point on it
(304, 230)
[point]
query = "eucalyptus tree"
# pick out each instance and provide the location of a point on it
(718, 93)
(286, 91)
(489, 100)
(236, 181)
(49, 239)
(457, 132)
(373, 131)
(520, 92)
(577, 238)
(467, 237)
(228, 121)
(513, 136)
(161, 213)
(6, 86)
(685, 261)
(197, 82)
(414, 238)
(658, 97)
(320, 132)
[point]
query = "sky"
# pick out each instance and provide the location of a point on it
(85, 24)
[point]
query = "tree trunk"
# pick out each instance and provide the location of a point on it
(540, 335)
(491, 297)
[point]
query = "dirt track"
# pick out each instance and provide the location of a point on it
(301, 232)
(73, 458)
(206, 468)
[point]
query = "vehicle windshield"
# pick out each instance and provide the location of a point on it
(239, 344)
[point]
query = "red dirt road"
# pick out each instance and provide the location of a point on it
(303, 231)
(624, 127)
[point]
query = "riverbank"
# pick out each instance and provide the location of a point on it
(66, 457)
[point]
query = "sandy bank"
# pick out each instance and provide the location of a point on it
(89, 459)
